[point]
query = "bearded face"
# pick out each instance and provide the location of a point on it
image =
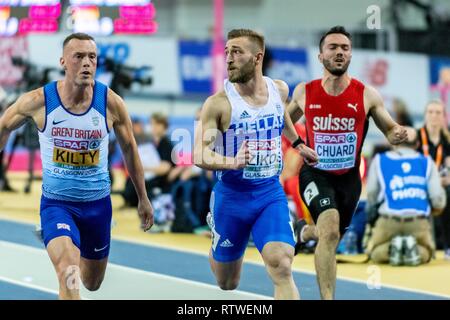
(242, 59)
(337, 66)
(243, 73)
(336, 54)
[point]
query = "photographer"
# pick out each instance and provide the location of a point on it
(406, 185)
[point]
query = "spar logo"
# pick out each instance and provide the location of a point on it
(94, 144)
(336, 150)
(351, 137)
(71, 144)
(77, 145)
(262, 144)
(263, 152)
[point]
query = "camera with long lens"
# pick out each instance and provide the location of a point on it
(124, 76)
(33, 77)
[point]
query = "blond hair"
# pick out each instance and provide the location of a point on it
(160, 118)
(445, 125)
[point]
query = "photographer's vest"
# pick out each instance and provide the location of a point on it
(74, 148)
(404, 183)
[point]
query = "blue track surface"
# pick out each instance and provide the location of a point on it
(10, 291)
(196, 267)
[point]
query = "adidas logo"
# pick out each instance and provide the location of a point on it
(226, 244)
(245, 115)
(279, 109)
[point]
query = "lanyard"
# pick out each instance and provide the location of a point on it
(426, 148)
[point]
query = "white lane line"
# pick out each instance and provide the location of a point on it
(389, 286)
(125, 283)
(28, 285)
(296, 269)
(251, 295)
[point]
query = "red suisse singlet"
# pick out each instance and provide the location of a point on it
(336, 125)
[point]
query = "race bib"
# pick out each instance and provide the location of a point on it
(265, 159)
(336, 150)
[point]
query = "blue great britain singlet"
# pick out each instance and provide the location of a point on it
(74, 148)
(262, 127)
(404, 183)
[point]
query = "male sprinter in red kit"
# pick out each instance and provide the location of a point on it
(336, 109)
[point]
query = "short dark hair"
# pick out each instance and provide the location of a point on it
(253, 36)
(335, 29)
(78, 36)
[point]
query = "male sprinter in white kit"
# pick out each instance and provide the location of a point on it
(249, 116)
(74, 117)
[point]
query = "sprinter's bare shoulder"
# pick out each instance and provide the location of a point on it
(216, 112)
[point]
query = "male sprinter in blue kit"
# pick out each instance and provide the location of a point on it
(74, 117)
(249, 116)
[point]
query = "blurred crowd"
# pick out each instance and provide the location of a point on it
(389, 231)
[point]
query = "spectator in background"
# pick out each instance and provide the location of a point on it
(159, 126)
(112, 149)
(2, 98)
(434, 140)
(129, 194)
(155, 152)
(401, 113)
(4, 185)
(191, 191)
(31, 142)
(139, 132)
(441, 90)
(403, 183)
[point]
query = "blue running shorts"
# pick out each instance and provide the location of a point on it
(88, 224)
(263, 211)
